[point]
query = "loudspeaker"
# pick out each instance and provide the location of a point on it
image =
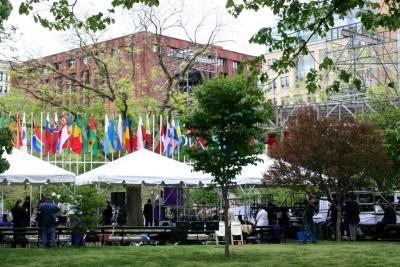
(118, 198)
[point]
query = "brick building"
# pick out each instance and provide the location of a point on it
(133, 57)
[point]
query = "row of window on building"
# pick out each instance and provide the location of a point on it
(70, 63)
(284, 83)
(295, 99)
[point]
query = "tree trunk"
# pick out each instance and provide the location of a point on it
(134, 205)
(339, 222)
(225, 204)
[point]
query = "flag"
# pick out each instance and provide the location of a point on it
(36, 138)
(19, 136)
(147, 133)
(111, 135)
(198, 141)
(140, 133)
(76, 143)
(92, 140)
(23, 135)
(119, 137)
(56, 136)
(11, 127)
(161, 143)
(2, 123)
(126, 138)
(175, 140)
(106, 147)
(134, 137)
(84, 136)
(70, 124)
(64, 134)
(178, 131)
(168, 139)
(48, 139)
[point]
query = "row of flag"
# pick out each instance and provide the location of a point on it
(74, 134)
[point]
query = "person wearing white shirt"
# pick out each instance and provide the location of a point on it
(262, 217)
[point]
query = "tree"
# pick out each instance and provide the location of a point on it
(299, 21)
(228, 117)
(175, 66)
(326, 156)
(5, 147)
(386, 118)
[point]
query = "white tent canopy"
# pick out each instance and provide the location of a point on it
(144, 166)
(25, 168)
(253, 174)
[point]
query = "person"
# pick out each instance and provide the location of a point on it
(27, 204)
(353, 216)
(271, 213)
(107, 214)
(4, 222)
(261, 217)
(21, 221)
(389, 217)
(48, 215)
(148, 213)
(308, 215)
(121, 218)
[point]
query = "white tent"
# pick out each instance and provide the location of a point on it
(25, 168)
(144, 166)
(253, 174)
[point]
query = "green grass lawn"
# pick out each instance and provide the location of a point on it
(291, 254)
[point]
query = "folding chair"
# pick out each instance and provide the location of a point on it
(236, 230)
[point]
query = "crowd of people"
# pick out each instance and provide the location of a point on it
(45, 217)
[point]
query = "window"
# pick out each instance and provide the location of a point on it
(1, 76)
(284, 82)
(322, 54)
(114, 52)
(304, 65)
(1, 89)
(221, 61)
(236, 64)
(85, 60)
(311, 98)
(71, 63)
(271, 85)
(5, 89)
(285, 100)
(58, 65)
(58, 84)
(85, 78)
(6, 77)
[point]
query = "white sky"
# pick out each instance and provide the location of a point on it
(33, 41)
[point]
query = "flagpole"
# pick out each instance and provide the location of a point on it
(166, 134)
(53, 143)
(31, 132)
(41, 135)
(154, 121)
(84, 163)
(77, 164)
(160, 141)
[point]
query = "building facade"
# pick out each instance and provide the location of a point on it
(371, 57)
(4, 77)
(135, 59)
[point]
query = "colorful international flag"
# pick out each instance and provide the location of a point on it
(92, 140)
(36, 138)
(56, 136)
(140, 134)
(147, 133)
(64, 134)
(24, 135)
(126, 138)
(119, 132)
(48, 138)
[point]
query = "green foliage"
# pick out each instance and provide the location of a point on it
(5, 11)
(387, 120)
(5, 147)
(228, 116)
(86, 203)
(311, 18)
(63, 16)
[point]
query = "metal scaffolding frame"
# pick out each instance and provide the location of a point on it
(371, 56)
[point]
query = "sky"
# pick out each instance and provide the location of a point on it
(32, 40)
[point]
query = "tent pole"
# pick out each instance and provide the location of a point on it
(2, 199)
(30, 204)
(153, 201)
